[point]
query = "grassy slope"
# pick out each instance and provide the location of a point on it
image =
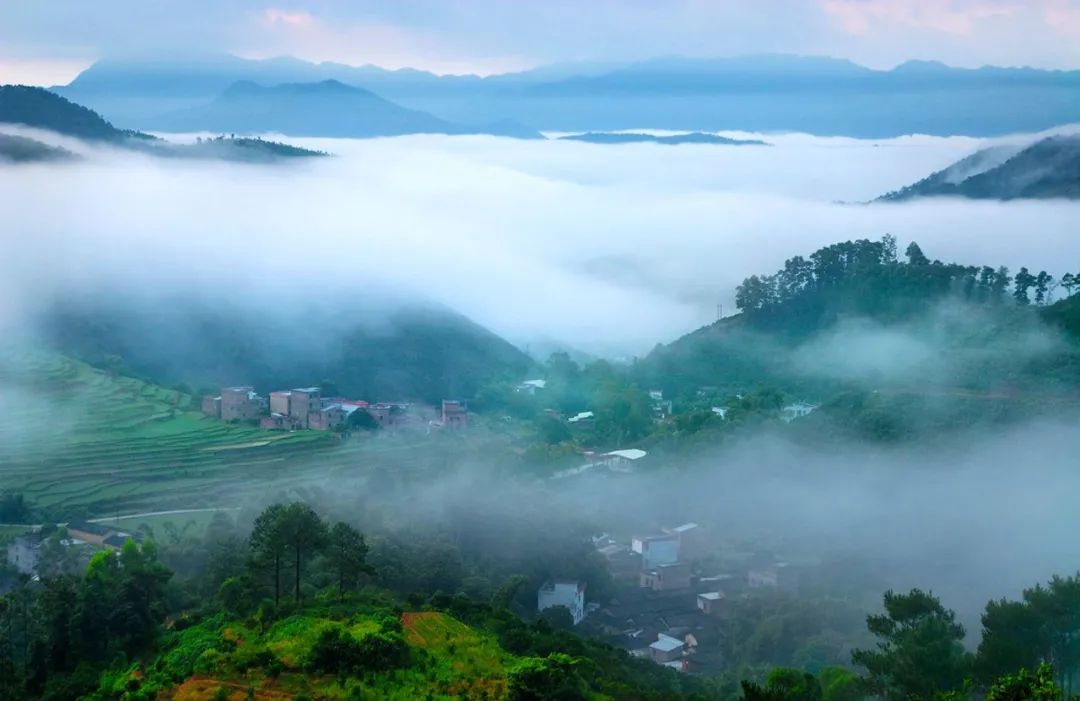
(78, 439)
(75, 436)
(450, 660)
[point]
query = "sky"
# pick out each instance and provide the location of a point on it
(49, 43)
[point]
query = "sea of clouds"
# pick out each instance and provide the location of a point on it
(610, 248)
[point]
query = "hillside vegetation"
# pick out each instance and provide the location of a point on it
(37, 107)
(377, 353)
(1049, 168)
(854, 322)
(204, 621)
(42, 109)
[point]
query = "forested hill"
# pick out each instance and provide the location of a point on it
(42, 109)
(857, 315)
(376, 351)
(1049, 168)
(39, 108)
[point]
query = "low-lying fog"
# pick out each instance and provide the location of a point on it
(610, 248)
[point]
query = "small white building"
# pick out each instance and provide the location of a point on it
(583, 416)
(621, 458)
(796, 411)
(570, 594)
(531, 386)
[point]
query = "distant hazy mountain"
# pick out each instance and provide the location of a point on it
(131, 91)
(757, 93)
(697, 137)
(329, 108)
(1046, 169)
(20, 149)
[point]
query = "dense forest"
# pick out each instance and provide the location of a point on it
(857, 317)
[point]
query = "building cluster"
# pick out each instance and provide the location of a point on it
(305, 408)
(24, 551)
(668, 609)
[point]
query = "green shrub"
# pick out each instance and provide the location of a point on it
(338, 652)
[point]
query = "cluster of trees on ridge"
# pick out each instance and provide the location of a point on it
(122, 630)
(870, 274)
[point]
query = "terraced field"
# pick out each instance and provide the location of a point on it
(79, 440)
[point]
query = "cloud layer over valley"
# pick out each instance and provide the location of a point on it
(608, 248)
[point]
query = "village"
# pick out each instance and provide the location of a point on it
(306, 408)
(668, 608)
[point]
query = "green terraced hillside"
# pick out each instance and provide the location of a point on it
(79, 440)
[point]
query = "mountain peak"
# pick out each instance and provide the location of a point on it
(248, 88)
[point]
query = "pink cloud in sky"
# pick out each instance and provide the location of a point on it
(1063, 17)
(274, 16)
(957, 17)
(357, 42)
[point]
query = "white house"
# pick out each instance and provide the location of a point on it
(570, 594)
(621, 458)
(581, 416)
(656, 549)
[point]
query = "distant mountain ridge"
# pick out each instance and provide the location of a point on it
(697, 137)
(1049, 168)
(818, 95)
(328, 108)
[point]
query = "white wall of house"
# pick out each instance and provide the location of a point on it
(568, 594)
